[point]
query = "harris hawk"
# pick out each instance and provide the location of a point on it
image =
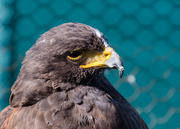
(61, 84)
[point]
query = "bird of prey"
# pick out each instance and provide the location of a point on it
(61, 84)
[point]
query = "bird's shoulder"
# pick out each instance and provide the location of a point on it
(5, 116)
(83, 106)
(79, 107)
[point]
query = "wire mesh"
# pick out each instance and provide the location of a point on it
(145, 33)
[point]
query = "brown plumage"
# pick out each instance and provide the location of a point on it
(60, 87)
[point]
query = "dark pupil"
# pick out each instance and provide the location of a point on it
(75, 54)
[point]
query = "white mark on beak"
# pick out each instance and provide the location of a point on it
(99, 34)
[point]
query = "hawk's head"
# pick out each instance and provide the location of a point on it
(70, 53)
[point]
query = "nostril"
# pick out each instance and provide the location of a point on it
(106, 55)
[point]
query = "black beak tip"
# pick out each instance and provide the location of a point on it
(120, 69)
(121, 73)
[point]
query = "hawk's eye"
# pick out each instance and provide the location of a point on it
(75, 55)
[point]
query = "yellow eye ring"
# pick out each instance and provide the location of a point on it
(75, 55)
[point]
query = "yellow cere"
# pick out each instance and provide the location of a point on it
(96, 58)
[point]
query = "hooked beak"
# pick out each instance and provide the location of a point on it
(115, 62)
(106, 59)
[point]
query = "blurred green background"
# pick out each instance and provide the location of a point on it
(145, 33)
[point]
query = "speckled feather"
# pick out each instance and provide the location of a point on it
(53, 93)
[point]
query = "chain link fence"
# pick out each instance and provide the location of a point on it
(145, 33)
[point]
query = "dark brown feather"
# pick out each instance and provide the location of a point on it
(53, 93)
